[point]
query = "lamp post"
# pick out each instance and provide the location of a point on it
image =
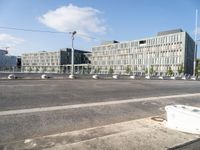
(72, 55)
(195, 49)
(197, 41)
(148, 65)
(148, 76)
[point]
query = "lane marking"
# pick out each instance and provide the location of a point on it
(9, 85)
(53, 108)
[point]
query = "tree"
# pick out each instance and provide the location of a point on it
(84, 70)
(170, 71)
(128, 70)
(197, 69)
(88, 70)
(44, 69)
(135, 68)
(151, 71)
(37, 69)
(180, 69)
(146, 71)
(97, 70)
(30, 69)
(106, 70)
(52, 69)
(111, 71)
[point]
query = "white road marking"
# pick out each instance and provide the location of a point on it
(53, 108)
(7, 85)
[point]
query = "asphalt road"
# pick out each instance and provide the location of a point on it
(23, 94)
(26, 94)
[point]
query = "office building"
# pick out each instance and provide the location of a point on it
(54, 62)
(7, 62)
(169, 52)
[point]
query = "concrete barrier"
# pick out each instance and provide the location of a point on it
(193, 78)
(183, 118)
(72, 76)
(37, 76)
(132, 77)
(11, 76)
(44, 76)
(184, 78)
(147, 77)
(95, 76)
(115, 77)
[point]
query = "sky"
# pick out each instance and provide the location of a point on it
(95, 21)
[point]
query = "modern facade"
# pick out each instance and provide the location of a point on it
(57, 62)
(169, 51)
(19, 62)
(7, 62)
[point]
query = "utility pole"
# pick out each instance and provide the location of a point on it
(72, 55)
(195, 38)
(148, 76)
(148, 65)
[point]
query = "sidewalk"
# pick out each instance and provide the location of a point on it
(141, 134)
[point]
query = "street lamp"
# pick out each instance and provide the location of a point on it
(195, 59)
(195, 48)
(72, 55)
(148, 76)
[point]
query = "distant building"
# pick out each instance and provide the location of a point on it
(19, 63)
(7, 62)
(169, 50)
(58, 61)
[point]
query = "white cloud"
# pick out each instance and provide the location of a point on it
(84, 20)
(7, 40)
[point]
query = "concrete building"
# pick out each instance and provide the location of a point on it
(57, 62)
(7, 62)
(169, 51)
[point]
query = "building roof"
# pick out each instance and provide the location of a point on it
(169, 32)
(5, 51)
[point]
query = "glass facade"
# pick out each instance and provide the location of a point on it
(7, 61)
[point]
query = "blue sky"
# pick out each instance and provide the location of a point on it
(103, 19)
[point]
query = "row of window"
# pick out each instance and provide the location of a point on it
(160, 40)
(41, 54)
(139, 68)
(40, 57)
(41, 64)
(154, 60)
(135, 50)
(175, 53)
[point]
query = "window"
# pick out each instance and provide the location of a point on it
(142, 42)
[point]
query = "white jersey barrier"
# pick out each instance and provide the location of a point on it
(11, 76)
(183, 118)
